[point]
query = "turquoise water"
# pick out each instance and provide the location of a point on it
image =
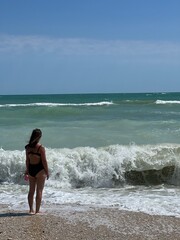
(94, 120)
(102, 149)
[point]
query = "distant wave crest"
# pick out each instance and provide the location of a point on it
(42, 104)
(167, 102)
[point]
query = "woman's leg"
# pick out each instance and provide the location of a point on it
(32, 185)
(40, 179)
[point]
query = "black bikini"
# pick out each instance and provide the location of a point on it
(35, 168)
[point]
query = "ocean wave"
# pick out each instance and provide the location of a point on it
(167, 102)
(151, 101)
(109, 166)
(46, 104)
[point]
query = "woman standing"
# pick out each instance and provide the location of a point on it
(36, 169)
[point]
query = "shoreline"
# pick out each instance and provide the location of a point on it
(90, 224)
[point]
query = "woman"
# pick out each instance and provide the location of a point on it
(36, 169)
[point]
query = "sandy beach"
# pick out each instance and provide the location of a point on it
(92, 224)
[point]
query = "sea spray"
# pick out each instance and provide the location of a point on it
(94, 167)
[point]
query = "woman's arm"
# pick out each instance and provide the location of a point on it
(44, 161)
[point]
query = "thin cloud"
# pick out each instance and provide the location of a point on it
(75, 46)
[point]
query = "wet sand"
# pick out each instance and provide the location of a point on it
(92, 224)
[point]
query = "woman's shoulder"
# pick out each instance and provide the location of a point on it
(40, 148)
(27, 146)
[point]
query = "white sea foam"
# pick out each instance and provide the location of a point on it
(167, 102)
(46, 104)
(92, 167)
(83, 176)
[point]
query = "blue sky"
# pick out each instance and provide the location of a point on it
(89, 46)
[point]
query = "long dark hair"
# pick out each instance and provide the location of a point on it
(34, 139)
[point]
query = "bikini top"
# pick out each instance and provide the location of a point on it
(35, 153)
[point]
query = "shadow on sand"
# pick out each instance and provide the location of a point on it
(15, 214)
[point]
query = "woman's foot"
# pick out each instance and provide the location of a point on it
(31, 212)
(39, 213)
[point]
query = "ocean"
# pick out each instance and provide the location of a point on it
(104, 150)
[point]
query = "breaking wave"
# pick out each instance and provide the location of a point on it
(110, 166)
(167, 102)
(43, 104)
